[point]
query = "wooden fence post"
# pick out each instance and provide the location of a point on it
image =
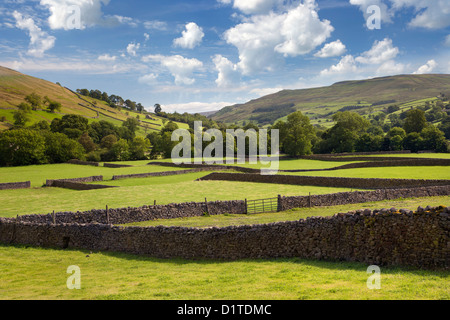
(246, 207)
(310, 202)
(206, 203)
(54, 217)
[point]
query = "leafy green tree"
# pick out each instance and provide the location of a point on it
(169, 127)
(108, 141)
(87, 143)
(368, 143)
(298, 135)
(35, 100)
(346, 132)
(120, 151)
(21, 147)
(445, 127)
(132, 125)
(25, 107)
(60, 148)
(21, 118)
(71, 125)
(54, 106)
(158, 108)
(433, 139)
(415, 121)
(413, 142)
(139, 148)
(99, 130)
(41, 126)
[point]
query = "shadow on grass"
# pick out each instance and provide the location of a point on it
(321, 264)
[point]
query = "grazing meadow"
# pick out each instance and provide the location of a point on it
(29, 273)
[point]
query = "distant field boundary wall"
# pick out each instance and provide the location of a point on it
(15, 185)
(115, 165)
(385, 237)
(410, 162)
(50, 183)
(79, 186)
(159, 174)
(365, 159)
(83, 163)
(206, 166)
(367, 163)
(78, 183)
(140, 214)
(357, 183)
(196, 209)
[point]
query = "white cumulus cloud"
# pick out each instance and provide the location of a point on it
(191, 37)
(228, 74)
(345, 66)
(181, 68)
(107, 57)
(380, 52)
(90, 12)
(261, 39)
(40, 41)
(427, 68)
(332, 49)
(433, 14)
(253, 6)
(132, 49)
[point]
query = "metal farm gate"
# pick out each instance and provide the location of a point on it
(262, 206)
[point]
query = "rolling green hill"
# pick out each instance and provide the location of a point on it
(15, 86)
(364, 97)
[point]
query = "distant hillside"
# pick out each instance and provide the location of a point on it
(15, 86)
(366, 96)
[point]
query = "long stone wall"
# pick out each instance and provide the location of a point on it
(15, 185)
(357, 183)
(78, 185)
(194, 209)
(288, 203)
(83, 163)
(52, 183)
(159, 174)
(144, 213)
(388, 237)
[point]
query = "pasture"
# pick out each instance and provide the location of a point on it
(37, 273)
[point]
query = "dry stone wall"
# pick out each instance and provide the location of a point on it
(144, 213)
(15, 185)
(383, 237)
(357, 183)
(288, 203)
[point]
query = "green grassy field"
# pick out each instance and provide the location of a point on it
(36, 273)
(144, 191)
(39, 174)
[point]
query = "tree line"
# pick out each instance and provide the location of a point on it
(114, 101)
(73, 137)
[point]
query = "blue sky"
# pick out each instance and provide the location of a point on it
(192, 56)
